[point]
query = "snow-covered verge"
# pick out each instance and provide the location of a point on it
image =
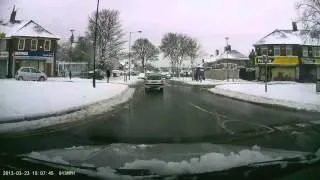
(175, 161)
(113, 80)
(301, 96)
(28, 99)
(208, 82)
(82, 113)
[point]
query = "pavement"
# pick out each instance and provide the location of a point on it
(32, 100)
(180, 115)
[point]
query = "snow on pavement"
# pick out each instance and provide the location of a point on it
(21, 99)
(293, 95)
(96, 109)
(208, 82)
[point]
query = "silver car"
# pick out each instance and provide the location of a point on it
(154, 81)
(30, 74)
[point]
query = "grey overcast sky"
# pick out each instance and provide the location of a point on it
(210, 21)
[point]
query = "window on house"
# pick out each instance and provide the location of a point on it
(305, 52)
(21, 44)
(47, 45)
(289, 51)
(34, 44)
(316, 51)
(3, 44)
(264, 50)
(276, 51)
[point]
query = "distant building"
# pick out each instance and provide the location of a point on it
(228, 59)
(294, 53)
(26, 43)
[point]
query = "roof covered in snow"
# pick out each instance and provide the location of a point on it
(288, 37)
(232, 55)
(25, 29)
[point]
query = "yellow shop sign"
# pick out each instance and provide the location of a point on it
(285, 60)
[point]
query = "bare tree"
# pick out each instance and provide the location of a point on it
(109, 37)
(144, 50)
(169, 48)
(310, 16)
(64, 51)
(177, 47)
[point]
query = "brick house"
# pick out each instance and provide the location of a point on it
(295, 55)
(26, 43)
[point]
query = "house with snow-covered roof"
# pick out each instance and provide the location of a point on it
(230, 58)
(26, 43)
(294, 55)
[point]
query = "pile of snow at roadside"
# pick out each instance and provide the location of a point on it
(208, 82)
(294, 95)
(117, 80)
(96, 109)
(206, 163)
(21, 99)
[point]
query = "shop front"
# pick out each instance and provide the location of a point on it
(4, 55)
(39, 60)
(279, 68)
(308, 70)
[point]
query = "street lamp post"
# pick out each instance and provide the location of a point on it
(71, 41)
(227, 50)
(95, 46)
(130, 50)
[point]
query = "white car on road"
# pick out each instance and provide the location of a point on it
(154, 81)
(30, 74)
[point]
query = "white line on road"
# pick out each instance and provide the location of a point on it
(200, 108)
(222, 123)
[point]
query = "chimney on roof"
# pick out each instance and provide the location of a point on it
(13, 15)
(217, 52)
(294, 26)
(227, 48)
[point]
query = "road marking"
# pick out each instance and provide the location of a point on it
(315, 122)
(222, 123)
(302, 125)
(200, 108)
(270, 130)
(283, 128)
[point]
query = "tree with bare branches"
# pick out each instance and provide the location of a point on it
(110, 39)
(144, 50)
(177, 47)
(309, 11)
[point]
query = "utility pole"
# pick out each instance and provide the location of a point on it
(71, 41)
(227, 51)
(266, 73)
(130, 50)
(129, 55)
(95, 47)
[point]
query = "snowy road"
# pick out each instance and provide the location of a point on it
(180, 115)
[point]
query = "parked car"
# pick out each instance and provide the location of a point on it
(99, 74)
(154, 81)
(135, 73)
(89, 75)
(84, 74)
(141, 76)
(30, 74)
(166, 75)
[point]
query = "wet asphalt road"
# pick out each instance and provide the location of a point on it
(180, 115)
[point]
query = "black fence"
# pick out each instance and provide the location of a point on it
(248, 74)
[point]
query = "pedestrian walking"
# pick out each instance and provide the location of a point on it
(108, 75)
(70, 74)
